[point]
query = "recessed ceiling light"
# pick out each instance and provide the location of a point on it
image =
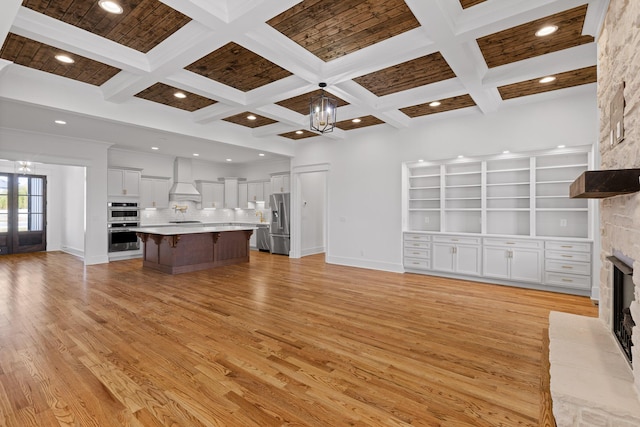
(421, 160)
(561, 146)
(195, 154)
(251, 117)
(548, 79)
(155, 148)
(229, 160)
(460, 156)
(356, 120)
(64, 58)
(435, 104)
(506, 152)
(180, 95)
(110, 6)
(261, 154)
(299, 132)
(545, 31)
(60, 122)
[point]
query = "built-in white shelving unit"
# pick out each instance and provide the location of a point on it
(511, 205)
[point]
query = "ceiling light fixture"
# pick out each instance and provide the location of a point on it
(251, 117)
(322, 112)
(435, 104)
(155, 148)
(461, 156)
(23, 167)
(229, 160)
(356, 120)
(545, 31)
(195, 154)
(299, 132)
(261, 154)
(506, 152)
(60, 122)
(66, 59)
(561, 146)
(548, 79)
(111, 6)
(180, 95)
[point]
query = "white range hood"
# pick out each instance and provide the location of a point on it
(183, 188)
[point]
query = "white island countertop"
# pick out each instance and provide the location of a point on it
(190, 229)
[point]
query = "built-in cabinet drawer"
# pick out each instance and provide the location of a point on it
(417, 251)
(568, 264)
(458, 240)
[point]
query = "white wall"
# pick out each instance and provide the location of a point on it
(312, 212)
(72, 212)
(364, 195)
(52, 149)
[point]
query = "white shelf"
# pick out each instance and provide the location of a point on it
(580, 165)
(463, 186)
(510, 197)
(508, 170)
(507, 183)
(424, 200)
(424, 209)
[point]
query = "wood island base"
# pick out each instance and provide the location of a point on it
(183, 253)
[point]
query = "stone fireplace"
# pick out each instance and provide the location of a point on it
(592, 383)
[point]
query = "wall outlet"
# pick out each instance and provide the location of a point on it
(426, 220)
(563, 222)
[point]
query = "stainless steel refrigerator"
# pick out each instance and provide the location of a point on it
(280, 223)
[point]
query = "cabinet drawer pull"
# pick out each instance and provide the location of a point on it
(567, 246)
(415, 263)
(567, 280)
(511, 243)
(567, 256)
(416, 253)
(416, 244)
(454, 240)
(567, 266)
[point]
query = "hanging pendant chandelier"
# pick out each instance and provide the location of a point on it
(322, 112)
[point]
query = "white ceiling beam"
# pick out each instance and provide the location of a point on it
(10, 10)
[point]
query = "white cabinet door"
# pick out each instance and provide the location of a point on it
(255, 192)
(123, 182)
(243, 195)
(155, 193)
(467, 260)
(496, 262)
(266, 188)
(443, 257)
(280, 184)
(231, 193)
(526, 265)
(212, 194)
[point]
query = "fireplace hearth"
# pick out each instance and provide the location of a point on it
(623, 295)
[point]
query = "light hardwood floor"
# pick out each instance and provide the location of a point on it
(272, 342)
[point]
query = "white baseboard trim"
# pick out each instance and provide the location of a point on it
(102, 259)
(363, 263)
(73, 251)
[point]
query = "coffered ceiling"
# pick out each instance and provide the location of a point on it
(385, 61)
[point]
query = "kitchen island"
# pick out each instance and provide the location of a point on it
(185, 248)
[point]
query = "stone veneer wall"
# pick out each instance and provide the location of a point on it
(618, 62)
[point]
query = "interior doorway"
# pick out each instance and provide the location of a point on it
(309, 210)
(23, 202)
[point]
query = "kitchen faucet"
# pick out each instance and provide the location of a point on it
(261, 215)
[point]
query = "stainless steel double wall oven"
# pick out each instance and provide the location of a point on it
(122, 217)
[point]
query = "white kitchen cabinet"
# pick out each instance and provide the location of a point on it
(212, 194)
(230, 193)
(266, 189)
(568, 264)
(417, 251)
(280, 183)
(518, 260)
(255, 191)
(123, 182)
(243, 195)
(154, 192)
(453, 254)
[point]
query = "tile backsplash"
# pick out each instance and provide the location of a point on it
(163, 216)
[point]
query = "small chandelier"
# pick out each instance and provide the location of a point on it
(23, 167)
(322, 112)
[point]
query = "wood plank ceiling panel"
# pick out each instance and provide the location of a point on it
(408, 75)
(295, 135)
(563, 80)
(454, 103)
(30, 53)
(164, 94)
(143, 25)
(300, 104)
(333, 28)
(241, 119)
(469, 3)
(518, 43)
(238, 67)
(364, 122)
